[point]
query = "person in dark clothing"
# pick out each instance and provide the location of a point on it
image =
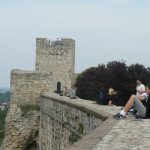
(143, 110)
(112, 97)
(103, 97)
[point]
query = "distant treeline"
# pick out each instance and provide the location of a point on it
(4, 97)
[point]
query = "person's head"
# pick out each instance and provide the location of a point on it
(74, 87)
(147, 89)
(111, 91)
(138, 81)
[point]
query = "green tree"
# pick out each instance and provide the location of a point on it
(115, 74)
(3, 114)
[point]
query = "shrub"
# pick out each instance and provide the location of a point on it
(3, 114)
(1, 137)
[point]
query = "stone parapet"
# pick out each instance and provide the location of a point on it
(64, 121)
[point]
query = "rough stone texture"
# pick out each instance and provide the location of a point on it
(54, 63)
(57, 57)
(112, 134)
(20, 131)
(129, 134)
(26, 86)
(63, 122)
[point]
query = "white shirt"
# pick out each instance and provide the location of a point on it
(145, 95)
(139, 89)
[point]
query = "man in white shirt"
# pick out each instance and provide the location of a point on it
(140, 88)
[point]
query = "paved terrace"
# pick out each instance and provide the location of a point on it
(127, 134)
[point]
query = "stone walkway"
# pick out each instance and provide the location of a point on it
(126, 134)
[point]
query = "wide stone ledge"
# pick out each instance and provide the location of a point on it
(78, 103)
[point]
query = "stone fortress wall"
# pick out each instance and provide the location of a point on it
(57, 57)
(60, 122)
(26, 86)
(55, 63)
(64, 122)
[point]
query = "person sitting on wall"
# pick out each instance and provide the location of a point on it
(112, 97)
(102, 97)
(142, 110)
(64, 92)
(140, 88)
(73, 92)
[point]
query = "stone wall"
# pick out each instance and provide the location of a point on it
(55, 62)
(21, 132)
(22, 122)
(26, 86)
(57, 57)
(62, 122)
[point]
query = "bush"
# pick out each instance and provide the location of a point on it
(115, 74)
(1, 137)
(3, 114)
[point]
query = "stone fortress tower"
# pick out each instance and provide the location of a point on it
(56, 57)
(55, 63)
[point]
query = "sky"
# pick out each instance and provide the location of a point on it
(104, 31)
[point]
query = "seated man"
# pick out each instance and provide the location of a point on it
(112, 97)
(65, 92)
(143, 110)
(73, 92)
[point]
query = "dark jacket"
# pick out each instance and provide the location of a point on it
(114, 99)
(148, 108)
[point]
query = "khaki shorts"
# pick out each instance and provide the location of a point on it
(140, 107)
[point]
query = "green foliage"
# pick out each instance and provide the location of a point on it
(3, 114)
(81, 128)
(28, 109)
(115, 74)
(73, 138)
(1, 137)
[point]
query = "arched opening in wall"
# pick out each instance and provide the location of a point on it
(32, 146)
(58, 87)
(32, 143)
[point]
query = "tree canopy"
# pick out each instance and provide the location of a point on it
(115, 74)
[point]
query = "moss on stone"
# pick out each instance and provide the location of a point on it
(26, 110)
(73, 138)
(1, 137)
(81, 128)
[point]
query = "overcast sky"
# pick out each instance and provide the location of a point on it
(104, 30)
